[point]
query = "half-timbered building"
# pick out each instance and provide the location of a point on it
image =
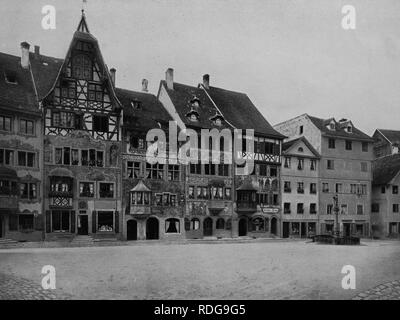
(82, 140)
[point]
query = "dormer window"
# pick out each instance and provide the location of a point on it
(195, 102)
(217, 119)
(349, 129)
(10, 77)
(193, 115)
(332, 125)
(136, 105)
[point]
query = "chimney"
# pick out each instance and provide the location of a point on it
(206, 81)
(25, 55)
(112, 72)
(37, 52)
(169, 78)
(144, 85)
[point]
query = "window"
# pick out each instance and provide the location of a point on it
(28, 190)
(273, 172)
(143, 198)
(348, 145)
(343, 209)
(82, 67)
(6, 157)
(313, 165)
(220, 223)
(300, 208)
(300, 187)
(105, 221)
(217, 193)
(172, 225)
(195, 168)
(300, 164)
(339, 188)
(5, 123)
(60, 184)
(26, 127)
(100, 123)
(155, 171)
(63, 119)
(286, 207)
(137, 142)
(95, 92)
(383, 189)
(375, 207)
(301, 130)
(195, 224)
(86, 189)
(60, 221)
(26, 159)
(331, 143)
(329, 208)
(191, 192)
(209, 169)
(395, 207)
(25, 221)
(99, 158)
(287, 162)
(68, 89)
(8, 188)
(325, 187)
(313, 188)
(10, 76)
(228, 194)
(364, 146)
(223, 170)
(262, 169)
(313, 208)
(258, 224)
(173, 172)
(395, 189)
(330, 165)
(286, 186)
(67, 155)
(364, 167)
(106, 190)
(360, 209)
(74, 157)
(133, 169)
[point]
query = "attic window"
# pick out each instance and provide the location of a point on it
(300, 149)
(331, 126)
(218, 122)
(10, 77)
(349, 129)
(195, 102)
(136, 105)
(193, 115)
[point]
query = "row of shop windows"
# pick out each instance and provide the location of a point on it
(155, 171)
(24, 158)
(205, 192)
(25, 126)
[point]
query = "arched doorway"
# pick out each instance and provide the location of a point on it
(131, 230)
(152, 228)
(273, 226)
(207, 227)
(242, 227)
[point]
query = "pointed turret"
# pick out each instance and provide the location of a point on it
(83, 27)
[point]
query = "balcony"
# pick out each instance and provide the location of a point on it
(216, 204)
(140, 211)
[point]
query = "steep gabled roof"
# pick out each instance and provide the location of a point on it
(392, 135)
(181, 96)
(147, 116)
(21, 94)
(339, 132)
(287, 145)
(240, 111)
(385, 169)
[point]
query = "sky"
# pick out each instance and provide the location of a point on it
(289, 56)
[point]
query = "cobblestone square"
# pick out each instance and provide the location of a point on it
(254, 270)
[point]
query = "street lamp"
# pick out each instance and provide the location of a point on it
(336, 210)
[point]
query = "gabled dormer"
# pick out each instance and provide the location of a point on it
(331, 125)
(217, 119)
(193, 115)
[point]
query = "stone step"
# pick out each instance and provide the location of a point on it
(7, 241)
